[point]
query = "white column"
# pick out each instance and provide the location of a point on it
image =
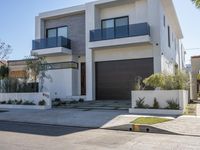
(90, 67)
(39, 28)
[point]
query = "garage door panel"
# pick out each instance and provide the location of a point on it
(115, 79)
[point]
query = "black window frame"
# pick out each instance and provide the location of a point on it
(114, 19)
(56, 30)
(169, 36)
(164, 20)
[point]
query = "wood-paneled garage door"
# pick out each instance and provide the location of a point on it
(115, 79)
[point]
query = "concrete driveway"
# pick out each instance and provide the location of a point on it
(107, 119)
(69, 117)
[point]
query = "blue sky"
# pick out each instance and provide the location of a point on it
(17, 23)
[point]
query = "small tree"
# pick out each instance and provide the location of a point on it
(4, 71)
(36, 68)
(156, 80)
(197, 3)
(5, 50)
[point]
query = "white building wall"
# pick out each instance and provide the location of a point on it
(170, 55)
(153, 20)
(136, 10)
(123, 53)
(61, 84)
(64, 83)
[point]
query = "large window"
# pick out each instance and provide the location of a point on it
(56, 32)
(116, 27)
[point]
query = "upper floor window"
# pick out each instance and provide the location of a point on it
(169, 37)
(115, 22)
(115, 27)
(164, 21)
(56, 32)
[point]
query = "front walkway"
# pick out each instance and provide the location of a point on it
(98, 104)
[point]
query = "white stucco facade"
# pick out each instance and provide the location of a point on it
(67, 82)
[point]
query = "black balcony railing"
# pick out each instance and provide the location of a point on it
(120, 32)
(51, 43)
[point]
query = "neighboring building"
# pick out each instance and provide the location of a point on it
(98, 49)
(2, 63)
(17, 69)
(195, 71)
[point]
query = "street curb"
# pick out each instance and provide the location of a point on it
(45, 124)
(140, 128)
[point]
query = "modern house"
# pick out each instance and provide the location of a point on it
(97, 49)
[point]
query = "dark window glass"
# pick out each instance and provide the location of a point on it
(108, 29)
(169, 38)
(121, 21)
(117, 27)
(62, 31)
(108, 23)
(164, 21)
(51, 33)
(121, 27)
(56, 32)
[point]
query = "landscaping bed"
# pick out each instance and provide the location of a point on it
(161, 94)
(149, 120)
(25, 101)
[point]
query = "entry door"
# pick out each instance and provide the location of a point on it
(83, 79)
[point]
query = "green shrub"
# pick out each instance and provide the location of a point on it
(73, 102)
(81, 100)
(156, 104)
(179, 81)
(3, 102)
(57, 100)
(138, 84)
(169, 82)
(28, 103)
(155, 81)
(140, 103)
(19, 102)
(4, 71)
(172, 105)
(10, 102)
(42, 103)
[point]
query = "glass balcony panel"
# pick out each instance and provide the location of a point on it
(133, 30)
(51, 43)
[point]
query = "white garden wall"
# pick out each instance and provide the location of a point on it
(162, 96)
(31, 97)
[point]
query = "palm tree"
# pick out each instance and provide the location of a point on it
(197, 3)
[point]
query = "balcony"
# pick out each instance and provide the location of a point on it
(53, 45)
(135, 33)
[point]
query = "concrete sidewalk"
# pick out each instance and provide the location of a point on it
(184, 125)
